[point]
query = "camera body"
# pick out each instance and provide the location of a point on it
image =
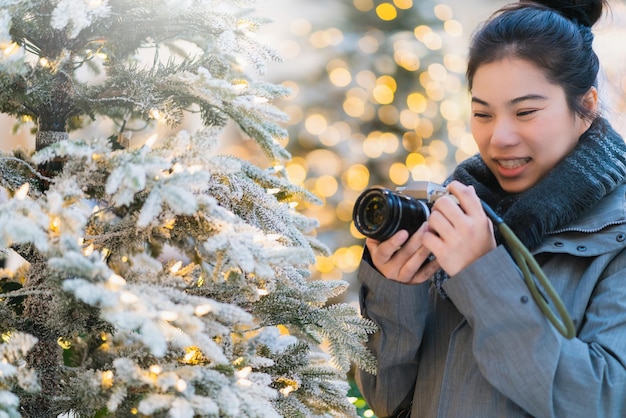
(379, 213)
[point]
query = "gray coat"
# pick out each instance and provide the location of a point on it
(488, 351)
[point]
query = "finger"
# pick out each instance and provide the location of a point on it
(467, 197)
(382, 251)
(412, 265)
(425, 272)
(440, 223)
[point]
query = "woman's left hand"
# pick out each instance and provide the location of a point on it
(458, 234)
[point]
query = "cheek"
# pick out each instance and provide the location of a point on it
(481, 135)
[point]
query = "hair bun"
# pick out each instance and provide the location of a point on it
(584, 12)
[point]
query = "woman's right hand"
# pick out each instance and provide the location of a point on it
(401, 258)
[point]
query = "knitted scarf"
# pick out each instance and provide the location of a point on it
(592, 170)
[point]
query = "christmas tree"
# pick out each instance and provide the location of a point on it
(145, 273)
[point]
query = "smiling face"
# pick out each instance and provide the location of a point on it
(521, 122)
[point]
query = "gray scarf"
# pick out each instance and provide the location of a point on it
(592, 170)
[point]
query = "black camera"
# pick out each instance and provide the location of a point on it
(379, 213)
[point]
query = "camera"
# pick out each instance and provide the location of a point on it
(379, 213)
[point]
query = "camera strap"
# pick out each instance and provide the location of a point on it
(529, 267)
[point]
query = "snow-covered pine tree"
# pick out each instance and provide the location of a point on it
(163, 278)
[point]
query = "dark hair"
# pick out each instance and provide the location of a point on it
(554, 35)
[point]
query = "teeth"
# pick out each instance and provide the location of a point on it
(513, 163)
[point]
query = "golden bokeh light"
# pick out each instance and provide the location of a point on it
(457, 129)
(344, 211)
(433, 41)
(331, 137)
(453, 28)
(348, 259)
(296, 170)
(399, 174)
(389, 81)
(326, 186)
(403, 4)
(315, 124)
(354, 106)
(356, 177)
(408, 119)
(369, 44)
(363, 5)
(435, 91)
(336, 36)
(366, 79)
(340, 77)
(421, 31)
(407, 60)
(388, 114)
(438, 149)
(412, 142)
(437, 72)
(325, 38)
(468, 145)
(417, 102)
(323, 161)
(415, 159)
(372, 147)
(443, 12)
(386, 11)
(390, 142)
(324, 264)
(355, 232)
(455, 63)
(425, 128)
(450, 110)
(383, 94)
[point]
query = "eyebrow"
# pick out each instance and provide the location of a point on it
(513, 101)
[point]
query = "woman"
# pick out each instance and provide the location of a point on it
(471, 342)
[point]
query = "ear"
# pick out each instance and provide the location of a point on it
(590, 100)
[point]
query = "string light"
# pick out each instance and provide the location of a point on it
(400, 118)
(22, 192)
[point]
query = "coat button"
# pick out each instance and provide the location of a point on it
(581, 248)
(620, 237)
(558, 244)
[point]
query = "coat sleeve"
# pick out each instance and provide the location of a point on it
(522, 355)
(399, 310)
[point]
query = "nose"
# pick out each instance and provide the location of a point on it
(504, 133)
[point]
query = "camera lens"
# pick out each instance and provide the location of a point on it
(379, 213)
(374, 212)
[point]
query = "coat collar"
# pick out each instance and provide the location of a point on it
(599, 230)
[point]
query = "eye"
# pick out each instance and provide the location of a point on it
(480, 115)
(528, 112)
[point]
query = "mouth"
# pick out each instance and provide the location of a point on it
(513, 163)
